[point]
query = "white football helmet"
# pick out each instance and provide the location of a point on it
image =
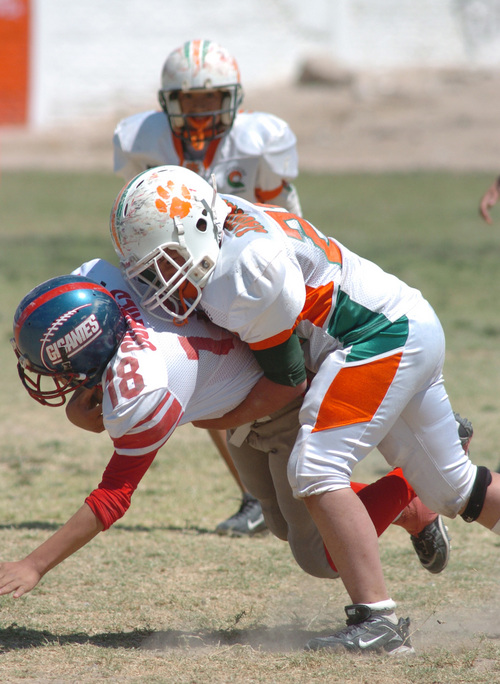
(164, 216)
(200, 66)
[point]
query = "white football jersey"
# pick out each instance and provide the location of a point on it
(165, 375)
(277, 273)
(251, 161)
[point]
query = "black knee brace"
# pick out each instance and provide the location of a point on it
(476, 500)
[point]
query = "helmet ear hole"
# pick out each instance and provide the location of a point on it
(92, 374)
(202, 225)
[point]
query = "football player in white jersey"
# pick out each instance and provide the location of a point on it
(302, 301)
(86, 330)
(251, 154)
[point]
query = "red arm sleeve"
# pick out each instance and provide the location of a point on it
(111, 499)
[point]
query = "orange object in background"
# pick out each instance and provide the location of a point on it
(14, 61)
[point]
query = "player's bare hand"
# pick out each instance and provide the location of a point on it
(84, 409)
(488, 200)
(18, 578)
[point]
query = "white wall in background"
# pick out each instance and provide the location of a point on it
(94, 58)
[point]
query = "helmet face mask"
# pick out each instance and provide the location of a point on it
(161, 293)
(200, 68)
(166, 226)
(66, 331)
(48, 389)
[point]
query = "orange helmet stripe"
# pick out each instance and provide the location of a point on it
(195, 54)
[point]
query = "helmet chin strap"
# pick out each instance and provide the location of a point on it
(183, 307)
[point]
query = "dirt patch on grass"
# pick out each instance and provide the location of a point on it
(450, 630)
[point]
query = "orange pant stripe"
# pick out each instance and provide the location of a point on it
(356, 393)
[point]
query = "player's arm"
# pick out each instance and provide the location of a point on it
(102, 508)
(278, 163)
(283, 195)
(489, 199)
(284, 380)
(21, 576)
(282, 363)
(265, 398)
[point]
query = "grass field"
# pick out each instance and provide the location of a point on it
(160, 597)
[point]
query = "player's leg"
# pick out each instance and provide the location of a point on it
(429, 534)
(358, 399)
(445, 477)
(338, 430)
(425, 443)
(248, 519)
(490, 507)
(253, 468)
(384, 499)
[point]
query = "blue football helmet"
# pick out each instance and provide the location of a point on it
(66, 330)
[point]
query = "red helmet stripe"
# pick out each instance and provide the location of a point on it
(52, 294)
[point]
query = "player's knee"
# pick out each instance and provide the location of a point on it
(274, 519)
(478, 494)
(309, 553)
(316, 567)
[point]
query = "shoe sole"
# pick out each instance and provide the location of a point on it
(399, 652)
(446, 536)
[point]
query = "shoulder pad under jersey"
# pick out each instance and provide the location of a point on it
(260, 134)
(141, 132)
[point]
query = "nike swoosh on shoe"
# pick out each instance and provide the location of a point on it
(253, 524)
(370, 642)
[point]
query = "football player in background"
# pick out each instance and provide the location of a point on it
(86, 334)
(250, 154)
(304, 302)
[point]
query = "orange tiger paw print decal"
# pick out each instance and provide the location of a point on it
(173, 203)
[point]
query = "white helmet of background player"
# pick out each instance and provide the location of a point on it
(164, 216)
(200, 66)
